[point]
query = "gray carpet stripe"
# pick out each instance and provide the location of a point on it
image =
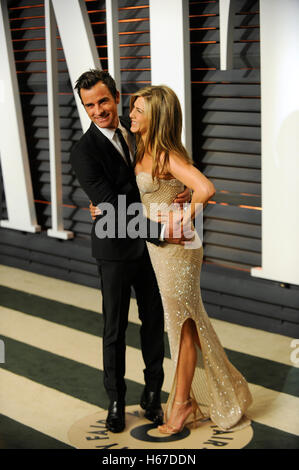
(15, 435)
(277, 376)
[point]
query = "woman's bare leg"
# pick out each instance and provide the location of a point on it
(185, 372)
(186, 362)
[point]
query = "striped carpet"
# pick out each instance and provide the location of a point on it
(51, 331)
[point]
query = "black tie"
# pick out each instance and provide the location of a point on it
(124, 146)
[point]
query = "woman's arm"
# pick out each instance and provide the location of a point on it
(203, 189)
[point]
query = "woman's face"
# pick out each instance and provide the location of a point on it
(139, 120)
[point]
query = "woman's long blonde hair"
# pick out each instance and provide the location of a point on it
(164, 114)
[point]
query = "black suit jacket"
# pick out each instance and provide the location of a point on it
(104, 175)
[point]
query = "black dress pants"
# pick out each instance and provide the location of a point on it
(117, 277)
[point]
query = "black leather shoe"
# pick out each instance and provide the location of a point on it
(151, 403)
(115, 421)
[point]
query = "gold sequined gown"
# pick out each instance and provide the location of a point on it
(221, 392)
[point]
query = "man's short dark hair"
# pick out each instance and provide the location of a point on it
(88, 79)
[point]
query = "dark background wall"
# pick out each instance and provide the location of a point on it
(226, 147)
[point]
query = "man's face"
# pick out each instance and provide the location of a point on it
(100, 105)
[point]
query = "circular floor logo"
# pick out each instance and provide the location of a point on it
(91, 433)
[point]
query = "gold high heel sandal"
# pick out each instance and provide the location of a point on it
(169, 428)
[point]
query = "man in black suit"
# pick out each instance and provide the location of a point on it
(102, 161)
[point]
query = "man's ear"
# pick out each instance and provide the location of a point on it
(117, 98)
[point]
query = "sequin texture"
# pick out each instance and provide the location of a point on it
(220, 390)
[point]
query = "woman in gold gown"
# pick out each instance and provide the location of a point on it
(205, 383)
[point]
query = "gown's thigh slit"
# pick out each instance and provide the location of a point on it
(220, 391)
(195, 392)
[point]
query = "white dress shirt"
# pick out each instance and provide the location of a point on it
(110, 134)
